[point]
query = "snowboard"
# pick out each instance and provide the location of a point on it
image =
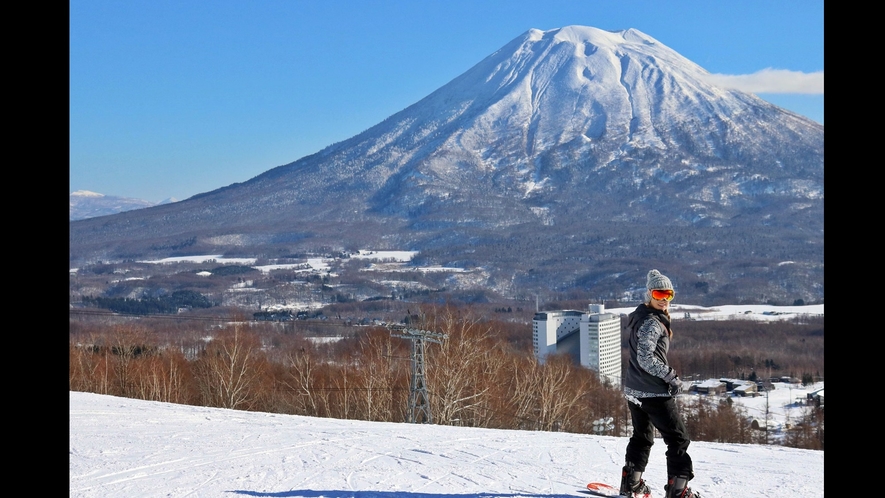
(603, 489)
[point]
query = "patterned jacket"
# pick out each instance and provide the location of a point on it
(650, 335)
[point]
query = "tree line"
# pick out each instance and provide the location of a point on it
(749, 349)
(161, 304)
(479, 376)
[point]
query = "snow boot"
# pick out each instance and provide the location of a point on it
(677, 487)
(632, 484)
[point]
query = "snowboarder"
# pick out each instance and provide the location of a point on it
(650, 387)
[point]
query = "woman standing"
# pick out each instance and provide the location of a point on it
(650, 386)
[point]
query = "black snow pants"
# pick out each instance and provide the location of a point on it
(661, 414)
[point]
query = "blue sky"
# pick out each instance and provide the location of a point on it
(175, 98)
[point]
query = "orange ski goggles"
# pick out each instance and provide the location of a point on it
(667, 294)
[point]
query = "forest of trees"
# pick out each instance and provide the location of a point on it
(745, 349)
(482, 375)
(161, 304)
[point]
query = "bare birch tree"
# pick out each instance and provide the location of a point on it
(300, 381)
(126, 343)
(457, 375)
(229, 369)
(163, 377)
(89, 368)
(376, 382)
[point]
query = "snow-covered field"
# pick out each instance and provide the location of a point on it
(393, 261)
(122, 447)
(760, 312)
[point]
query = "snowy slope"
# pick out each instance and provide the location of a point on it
(127, 447)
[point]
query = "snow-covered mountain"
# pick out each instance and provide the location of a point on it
(560, 160)
(86, 204)
(576, 110)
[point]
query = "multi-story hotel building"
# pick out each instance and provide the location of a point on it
(592, 338)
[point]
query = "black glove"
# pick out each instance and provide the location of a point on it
(674, 381)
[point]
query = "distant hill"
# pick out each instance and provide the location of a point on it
(86, 204)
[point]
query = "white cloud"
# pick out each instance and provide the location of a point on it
(772, 81)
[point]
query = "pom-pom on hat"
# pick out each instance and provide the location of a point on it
(657, 281)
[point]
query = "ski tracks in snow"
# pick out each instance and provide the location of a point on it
(124, 447)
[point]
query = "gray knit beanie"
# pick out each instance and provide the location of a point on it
(656, 280)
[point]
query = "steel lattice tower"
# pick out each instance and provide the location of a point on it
(419, 399)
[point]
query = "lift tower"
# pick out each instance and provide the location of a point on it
(419, 402)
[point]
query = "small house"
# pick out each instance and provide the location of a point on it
(710, 387)
(749, 389)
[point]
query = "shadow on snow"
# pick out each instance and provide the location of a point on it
(308, 493)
